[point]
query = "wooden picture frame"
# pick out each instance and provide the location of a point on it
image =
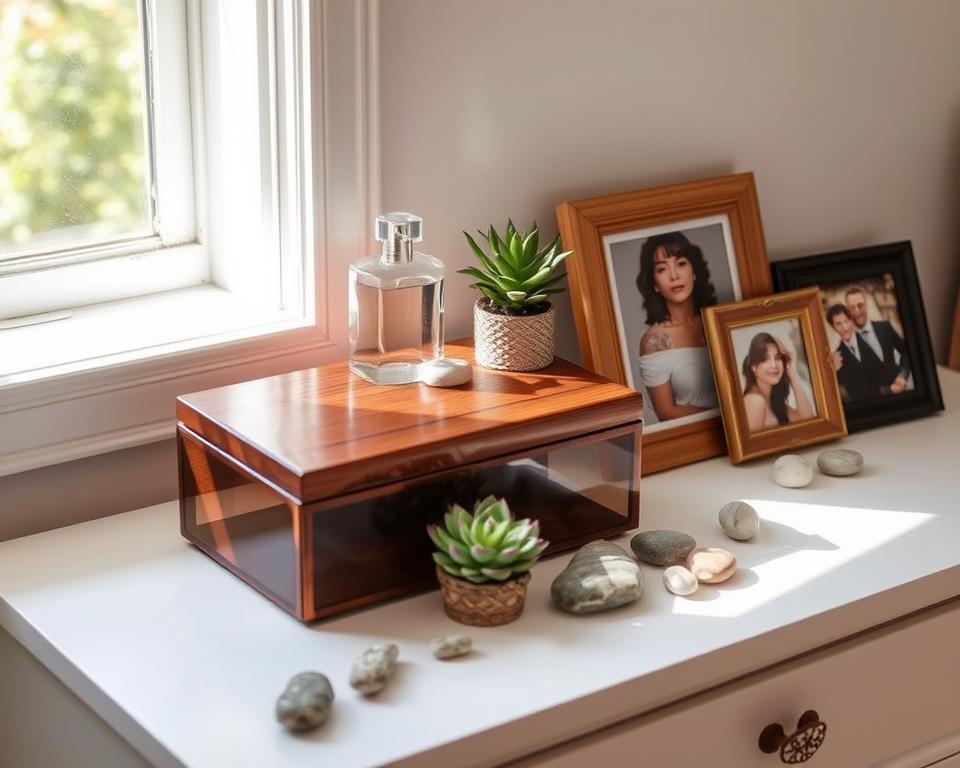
(787, 332)
(886, 277)
(603, 285)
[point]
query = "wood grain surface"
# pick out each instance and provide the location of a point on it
(321, 432)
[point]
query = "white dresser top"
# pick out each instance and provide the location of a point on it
(186, 662)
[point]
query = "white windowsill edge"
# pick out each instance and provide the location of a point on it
(126, 361)
(85, 447)
(118, 333)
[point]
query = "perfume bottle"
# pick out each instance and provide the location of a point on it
(396, 305)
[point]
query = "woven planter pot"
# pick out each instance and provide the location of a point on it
(513, 342)
(483, 605)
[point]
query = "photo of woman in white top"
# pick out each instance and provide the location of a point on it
(674, 365)
(661, 277)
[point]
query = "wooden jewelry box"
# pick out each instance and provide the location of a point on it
(316, 487)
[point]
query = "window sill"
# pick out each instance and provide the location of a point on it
(122, 332)
(107, 377)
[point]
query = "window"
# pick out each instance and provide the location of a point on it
(97, 169)
(154, 150)
(75, 151)
(263, 136)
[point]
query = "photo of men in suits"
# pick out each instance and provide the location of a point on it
(855, 380)
(871, 355)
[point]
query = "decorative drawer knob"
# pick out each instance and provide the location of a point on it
(801, 745)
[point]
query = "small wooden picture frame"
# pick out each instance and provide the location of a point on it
(774, 373)
(708, 236)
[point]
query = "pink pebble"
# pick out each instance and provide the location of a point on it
(711, 565)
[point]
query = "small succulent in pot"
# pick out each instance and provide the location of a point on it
(488, 545)
(514, 321)
(515, 276)
(483, 561)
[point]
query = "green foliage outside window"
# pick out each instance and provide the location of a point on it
(72, 147)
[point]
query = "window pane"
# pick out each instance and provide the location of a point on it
(74, 164)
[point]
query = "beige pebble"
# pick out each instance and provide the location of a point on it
(739, 520)
(450, 646)
(711, 565)
(792, 471)
(373, 670)
(840, 462)
(446, 372)
(679, 580)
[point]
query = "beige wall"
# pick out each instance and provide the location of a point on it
(847, 111)
(98, 486)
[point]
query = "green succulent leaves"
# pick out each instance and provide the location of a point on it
(515, 274)
(488, 545)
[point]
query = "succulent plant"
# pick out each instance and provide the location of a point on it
(515, 274)
(488, 545)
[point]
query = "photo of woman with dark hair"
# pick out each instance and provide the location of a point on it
(774, 393)
(674, 366)
(660, 279)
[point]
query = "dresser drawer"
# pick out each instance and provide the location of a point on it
(881, 694)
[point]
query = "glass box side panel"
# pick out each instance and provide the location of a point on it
(245, 524)
(580, 491)
(374, 545)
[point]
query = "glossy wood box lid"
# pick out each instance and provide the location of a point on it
(322, 432)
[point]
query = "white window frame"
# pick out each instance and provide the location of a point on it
(330, 191)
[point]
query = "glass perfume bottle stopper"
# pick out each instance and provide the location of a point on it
(398, 232)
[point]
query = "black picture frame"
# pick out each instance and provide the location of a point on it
(861, 264)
